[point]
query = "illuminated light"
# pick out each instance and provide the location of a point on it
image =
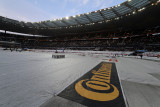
(129, 0)
(141, 9)
(74, 16)
(67, 18)
(134, 12)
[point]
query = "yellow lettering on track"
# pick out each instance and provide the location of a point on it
(95, 95)
(103, 86)
(100, 81)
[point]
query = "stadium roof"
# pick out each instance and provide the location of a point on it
(96, 17)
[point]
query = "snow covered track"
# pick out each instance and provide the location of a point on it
(32, 79)
(141, 81)
(29, 79)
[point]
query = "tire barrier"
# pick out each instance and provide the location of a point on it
(113, 60)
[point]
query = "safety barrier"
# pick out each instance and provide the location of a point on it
(58, 56)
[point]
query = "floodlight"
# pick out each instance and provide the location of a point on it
(67, 18)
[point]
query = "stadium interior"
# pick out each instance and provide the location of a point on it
(104, 58)
(130, 26)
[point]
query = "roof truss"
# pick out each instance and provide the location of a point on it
(89, 18)
(115, 12)
(129, 6)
